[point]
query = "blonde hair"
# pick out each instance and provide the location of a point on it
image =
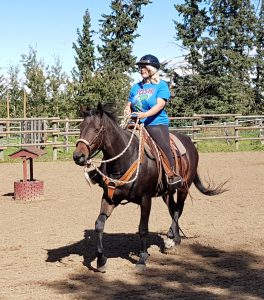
(153, 74)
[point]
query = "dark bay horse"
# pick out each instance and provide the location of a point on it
(101, 131)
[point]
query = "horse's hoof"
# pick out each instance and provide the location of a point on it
(101, 264)
(169, 243)
(170, 234)
(177, 240)
(102, 269)
(140, 268)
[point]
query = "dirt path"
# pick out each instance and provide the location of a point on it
(46, 245)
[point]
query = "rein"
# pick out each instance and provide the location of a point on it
(136, 164)
(120, 154)
(125, 178)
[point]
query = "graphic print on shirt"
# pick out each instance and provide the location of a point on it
(141, 99)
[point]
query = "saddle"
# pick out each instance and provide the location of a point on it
(153, 151)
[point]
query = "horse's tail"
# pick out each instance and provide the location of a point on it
(210, 190)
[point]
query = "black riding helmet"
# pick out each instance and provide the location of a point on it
(150, 60)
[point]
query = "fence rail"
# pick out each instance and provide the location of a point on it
(60, 133)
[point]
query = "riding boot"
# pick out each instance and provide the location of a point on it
(174, 181)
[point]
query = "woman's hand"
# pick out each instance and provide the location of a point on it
(127, 111)
(153, 111)
(140, 115)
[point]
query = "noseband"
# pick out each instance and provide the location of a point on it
(98, 136)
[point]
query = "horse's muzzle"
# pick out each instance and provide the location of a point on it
(79, 158)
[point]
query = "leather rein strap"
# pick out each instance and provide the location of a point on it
(111, 186)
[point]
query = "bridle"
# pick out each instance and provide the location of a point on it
(98, 136)
(112, 183)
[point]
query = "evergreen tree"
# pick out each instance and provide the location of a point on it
(232, 39)
(258, 80)
(118, 35)
(36, 82)
(116, 61)
(85, 61)
(191, 31)
(222, 82)
(15, 92)
(57, 80)
(2, 96)
(227, 55)
(2, 86)
(84, 48)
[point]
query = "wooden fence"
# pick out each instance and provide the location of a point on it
(62, 133)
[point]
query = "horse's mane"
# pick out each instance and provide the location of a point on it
(107, 108)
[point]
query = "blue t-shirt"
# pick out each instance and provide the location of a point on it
(143, 96)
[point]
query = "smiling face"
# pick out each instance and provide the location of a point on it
(143, 70)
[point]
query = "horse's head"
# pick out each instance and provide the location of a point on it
(91, 135)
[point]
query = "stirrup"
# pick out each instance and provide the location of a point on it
(174, 182)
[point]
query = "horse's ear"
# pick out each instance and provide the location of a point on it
(83, 110)
(100, 108)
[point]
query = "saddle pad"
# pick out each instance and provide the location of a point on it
(178, 143)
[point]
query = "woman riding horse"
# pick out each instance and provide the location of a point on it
(128, 173)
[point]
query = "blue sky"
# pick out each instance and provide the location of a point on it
(50, 27)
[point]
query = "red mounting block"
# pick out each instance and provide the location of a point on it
(28, 189)
(26, 154)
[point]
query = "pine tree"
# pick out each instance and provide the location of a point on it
(118, 35)
(258, 80)
(84, 48)
(2, 86)
(116, 62)
(191, 30)
(57, 80)
(231, 32)
(36, 82)
(15, 92)
(2, 96)
(222, 51)
(85, 60)
(227, 55)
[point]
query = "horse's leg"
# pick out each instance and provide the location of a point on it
(175, 210)
(145, 207)
(105, 212)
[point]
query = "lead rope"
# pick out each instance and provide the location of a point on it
(119, 155)
(122, 153)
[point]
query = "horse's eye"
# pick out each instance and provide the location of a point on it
(96, 130)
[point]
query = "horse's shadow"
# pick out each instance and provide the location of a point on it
(121, 245)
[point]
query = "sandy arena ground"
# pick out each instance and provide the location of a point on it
(47, 245)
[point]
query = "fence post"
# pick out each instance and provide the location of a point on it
(226, 133)
(55, 139)
(261, 130)
(194, 133)
(236, 134)
(32, 128)
(66, 138)
(45, 135)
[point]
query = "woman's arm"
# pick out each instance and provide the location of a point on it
(153, 111)
(127, 110)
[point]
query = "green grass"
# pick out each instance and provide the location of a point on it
(220, 146)
(63, 155)
(202, 146)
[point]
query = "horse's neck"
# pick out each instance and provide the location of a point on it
(115, 140)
